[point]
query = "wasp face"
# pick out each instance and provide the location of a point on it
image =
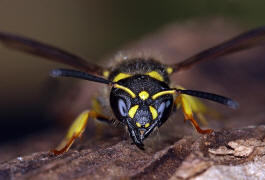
(136, 102)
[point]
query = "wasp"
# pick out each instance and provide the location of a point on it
(140, 95)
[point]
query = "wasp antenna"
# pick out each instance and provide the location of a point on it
(55, 73)
(210, 96)
(78, 74)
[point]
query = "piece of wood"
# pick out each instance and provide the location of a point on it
(207, 156)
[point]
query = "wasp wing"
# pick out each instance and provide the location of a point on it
(48, 52)
(246, 40)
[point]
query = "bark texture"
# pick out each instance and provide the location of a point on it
(232, 154)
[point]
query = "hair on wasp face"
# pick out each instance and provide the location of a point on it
(140, 96)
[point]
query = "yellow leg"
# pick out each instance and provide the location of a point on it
(189, 105)
(101, 123)
(76, 130)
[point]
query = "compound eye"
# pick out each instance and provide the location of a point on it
(164, 110)
(123, 110)
(161, 109)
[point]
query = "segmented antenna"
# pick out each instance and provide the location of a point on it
(210, 96)
(78, 74)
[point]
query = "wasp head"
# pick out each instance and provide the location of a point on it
(138, 101)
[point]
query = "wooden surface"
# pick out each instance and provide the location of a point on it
(210, 156)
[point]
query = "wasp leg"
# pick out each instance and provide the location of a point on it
(76, 130)
(101, 122)
(190, 105)
(199, 108)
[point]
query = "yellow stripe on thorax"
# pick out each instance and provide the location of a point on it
(169, 70)
(121, 76)
(106, 74)
(155, 75)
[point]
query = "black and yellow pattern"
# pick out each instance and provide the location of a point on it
(141, 99)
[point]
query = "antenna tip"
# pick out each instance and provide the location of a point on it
(232, 104)
(56, 73)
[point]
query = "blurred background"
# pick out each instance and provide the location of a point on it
(95, 30)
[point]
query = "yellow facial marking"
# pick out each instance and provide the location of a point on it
(143, 95)
(121, 76)
(153, 112)
(147, 125)
(138, 124)
(125, 89)
(133, 110)
(163, 93)
(169, 70)
(106, 74)
(155, 75)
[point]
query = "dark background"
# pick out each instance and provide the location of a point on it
(92, 29)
